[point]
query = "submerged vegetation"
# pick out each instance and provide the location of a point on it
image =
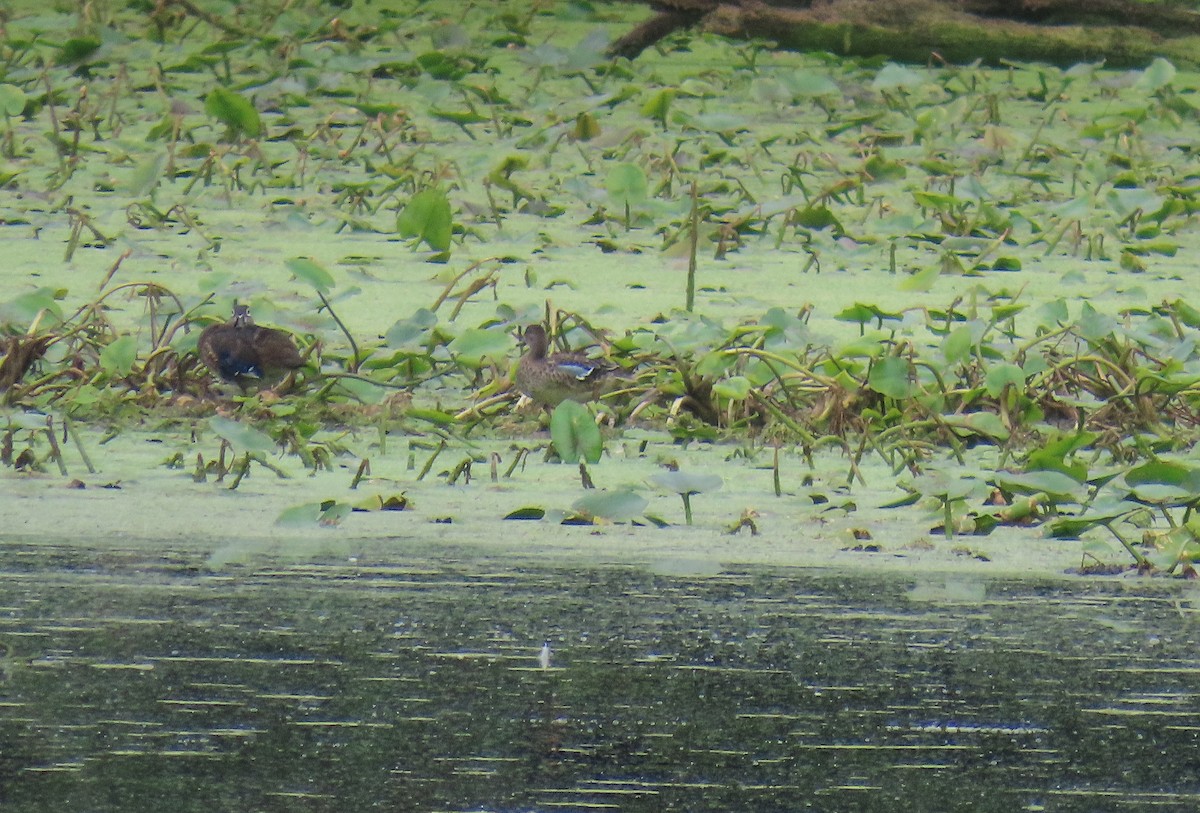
(797, 253)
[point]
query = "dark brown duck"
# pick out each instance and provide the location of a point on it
(242, 352)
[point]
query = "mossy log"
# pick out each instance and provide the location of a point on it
(1122, 33)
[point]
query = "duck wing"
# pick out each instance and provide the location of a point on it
(580, 367)
(275, 349)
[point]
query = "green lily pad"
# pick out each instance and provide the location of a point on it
(12, 100)
(299, 516)
(682, 482)
(890, 376)
(327, 513)
(1163, 472)
(406, 332)
(627, 185)
(240, 436)
(1056, 484)
(428, 218)
(475, 345)
(311, 272)
(1000, 376)
(233, 110)
(574, 433)
(381, 502)
(528, 513)
(897, 77)
(119, 356)
(987, 424)
(614, 506)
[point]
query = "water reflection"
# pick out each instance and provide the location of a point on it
(134, 685)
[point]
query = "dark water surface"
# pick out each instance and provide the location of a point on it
(137, 684)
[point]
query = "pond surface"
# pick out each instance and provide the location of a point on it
(147, 683)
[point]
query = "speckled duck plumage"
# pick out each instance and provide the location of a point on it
(551, 378)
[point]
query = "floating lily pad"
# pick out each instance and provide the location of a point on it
(311, 272)
(627, 185)
(529, 513)
(119, 356)
(382, 502)
(12, 100)
(1055, 484)
(428, 218)
(683, 482)
(614, 506)
(241, 436)
(234, 111)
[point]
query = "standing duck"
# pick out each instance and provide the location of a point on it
(553, 378)
(242, 352)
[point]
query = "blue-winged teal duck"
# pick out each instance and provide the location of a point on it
(551, 378)
(242, 352)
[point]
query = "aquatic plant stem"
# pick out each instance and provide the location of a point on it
(479, 410)
(125, 255)
(805, 436)
(463, 470)
(345, 331)
(446, 292)
(364, 468)
(520, 457)
(1037, 135)
(1137, 557)
(241, 472)
(694, 241)
(55, 451)
(213, 19)
(221, 469)
(332, 378)
(429, 463)
(73, 433)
